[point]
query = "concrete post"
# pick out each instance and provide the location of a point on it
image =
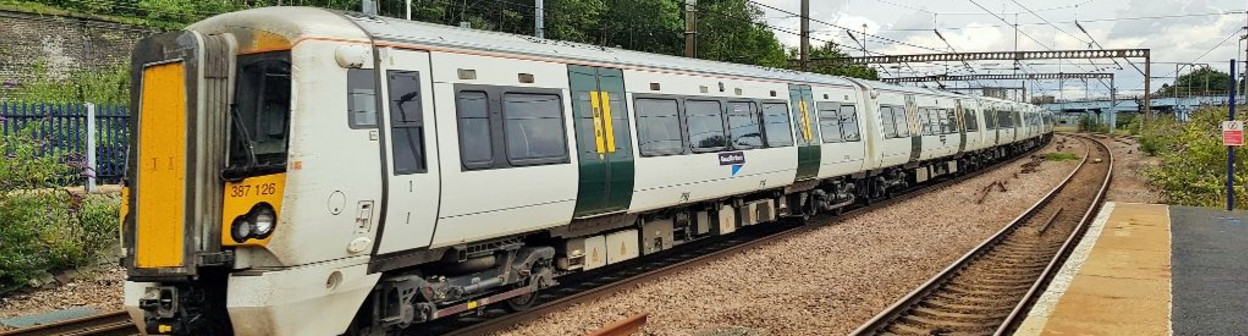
(691, 28)
(539, 19)
(805, 35)
(92, 170)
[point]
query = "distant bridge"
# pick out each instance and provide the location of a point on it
(1180, 105)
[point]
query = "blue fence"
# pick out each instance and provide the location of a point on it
(64, 126)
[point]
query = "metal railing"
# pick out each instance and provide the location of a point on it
(94, 136)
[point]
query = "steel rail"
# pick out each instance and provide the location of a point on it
(880, 322)
(115, 323)
(1017, 315)
(503, 323)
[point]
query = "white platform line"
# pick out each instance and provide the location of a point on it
(1043, 309)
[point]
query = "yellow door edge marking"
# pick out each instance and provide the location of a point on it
(595, 103)
(605, 103)
(806, 134)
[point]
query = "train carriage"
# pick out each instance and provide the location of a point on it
(376, 173)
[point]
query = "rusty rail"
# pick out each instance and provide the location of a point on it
(623, 327)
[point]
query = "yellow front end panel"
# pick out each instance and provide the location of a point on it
(242, 196)
(159, 237)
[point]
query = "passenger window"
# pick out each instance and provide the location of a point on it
(950, 121)
(902, 121)
(361, 98)
(406, 123)
(743, 126)
(474, 129)
(968, 118)
(849, 123)
(658, 127)
(705, 120)
(534, 128)
(886, 119)
(776, 123)
(830, 123)
(925, 122)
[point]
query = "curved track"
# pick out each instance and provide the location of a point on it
(988, 290)
(577, 288)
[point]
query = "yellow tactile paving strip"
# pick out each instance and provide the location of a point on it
(1123, 288)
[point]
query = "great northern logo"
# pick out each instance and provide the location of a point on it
(734, 159)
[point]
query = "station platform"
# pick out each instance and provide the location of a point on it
(1151, 269)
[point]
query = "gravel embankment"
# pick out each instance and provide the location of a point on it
(830, 280)
(1130, 163)
(100, 289)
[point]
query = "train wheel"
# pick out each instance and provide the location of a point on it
(521, 303)
(543, 277)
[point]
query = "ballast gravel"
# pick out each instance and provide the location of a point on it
(827, 281)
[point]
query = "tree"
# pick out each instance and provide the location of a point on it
(1201, 81)
(831, 50)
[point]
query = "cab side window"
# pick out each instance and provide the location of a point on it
(407, 129)
(361, 99)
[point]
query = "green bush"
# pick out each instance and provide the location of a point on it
(44, 227)
(1088, 123)
(1060, 156)
(1193, 159)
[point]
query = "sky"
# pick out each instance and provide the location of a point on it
(1199, 31)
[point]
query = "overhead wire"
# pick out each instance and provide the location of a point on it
(1104, 20)
(1063, 31)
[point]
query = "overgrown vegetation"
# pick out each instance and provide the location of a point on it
(728, 30)
(1088, 123)
(1193, 160)
(1061, 156)
(109, 85)
(44, 227)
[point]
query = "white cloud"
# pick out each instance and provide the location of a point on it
(969, 28)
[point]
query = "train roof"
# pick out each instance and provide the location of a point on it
(299, 23)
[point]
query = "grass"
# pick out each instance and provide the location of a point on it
(1060, 156)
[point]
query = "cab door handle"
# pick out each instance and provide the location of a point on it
(364, 217)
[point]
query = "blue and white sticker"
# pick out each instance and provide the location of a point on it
(734, 159)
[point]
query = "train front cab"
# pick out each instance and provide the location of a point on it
(232, 122)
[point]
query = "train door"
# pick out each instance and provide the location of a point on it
(807, 128)
(960, 115)
(603, 141)
(411, 203)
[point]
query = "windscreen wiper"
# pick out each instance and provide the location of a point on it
(248, 144)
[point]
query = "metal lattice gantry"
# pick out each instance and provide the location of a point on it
(1024, 76)
(1016, 56)
(991, 56)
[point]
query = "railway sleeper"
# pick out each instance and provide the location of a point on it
(944, 303)
(955, 315)
(982, 287)
(936, 324)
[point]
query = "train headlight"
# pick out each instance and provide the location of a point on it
(256, 224)
(241, 230)
(262, 220)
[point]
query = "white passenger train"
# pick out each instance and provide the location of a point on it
(298, 171)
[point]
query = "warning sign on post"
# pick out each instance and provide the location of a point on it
(1233, 133)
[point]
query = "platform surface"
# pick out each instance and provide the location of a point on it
(1147, 269)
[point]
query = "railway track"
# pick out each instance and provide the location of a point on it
(115, 323)
(578, 288)
(574, 289)
(989, 290)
